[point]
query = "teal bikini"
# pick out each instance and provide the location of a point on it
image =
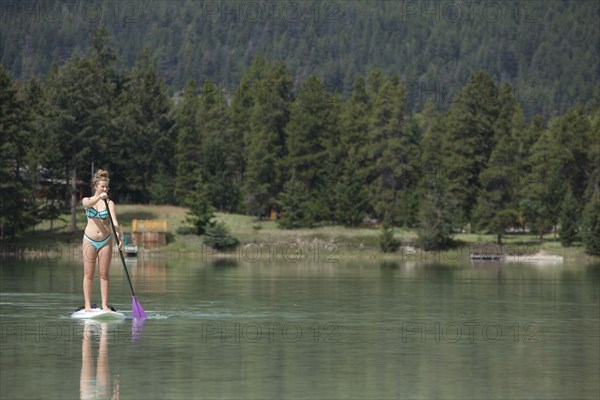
(92, 213)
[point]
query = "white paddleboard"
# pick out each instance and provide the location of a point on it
(98, 314)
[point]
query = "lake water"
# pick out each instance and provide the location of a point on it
(286, 330)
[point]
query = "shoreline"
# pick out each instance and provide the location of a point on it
(315, 251)
(263, 239)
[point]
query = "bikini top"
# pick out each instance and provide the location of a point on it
(92, 213)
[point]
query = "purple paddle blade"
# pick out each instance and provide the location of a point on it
(138, 311)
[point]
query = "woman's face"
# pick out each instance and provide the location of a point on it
(102, 187)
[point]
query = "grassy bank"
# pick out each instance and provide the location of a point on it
(330, 241)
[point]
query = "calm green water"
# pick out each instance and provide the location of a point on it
(304, 331)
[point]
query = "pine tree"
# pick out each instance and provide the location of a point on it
(188, 149)
(350, 194)
(201, 210)
(593, 176)
(591, 225)
(496, 208)
(310, 129)
(470, 139)
(571, 135)
(435, 211)
(266, 149)
(219, 238)
(569, 219)
(560, 155)
(219, 176)
(15, 213)
(392, 152)
(296, 210)
(82, 111)
(147, 149)
(355, 122)
(387, 242)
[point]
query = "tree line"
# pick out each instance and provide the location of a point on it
(314, 157)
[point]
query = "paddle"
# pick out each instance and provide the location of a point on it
(137, 310)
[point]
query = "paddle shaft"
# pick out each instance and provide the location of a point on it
(120, 252)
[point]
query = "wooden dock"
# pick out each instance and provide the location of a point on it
(486, 257)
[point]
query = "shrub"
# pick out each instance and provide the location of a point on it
(218, 237)
(186, 230)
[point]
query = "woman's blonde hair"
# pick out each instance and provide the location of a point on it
(100, 175)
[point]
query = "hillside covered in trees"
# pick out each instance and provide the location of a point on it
(313, 156)
(267, 134)
(547, 50)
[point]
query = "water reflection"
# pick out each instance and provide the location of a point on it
(95, 382)
(221, 264)
(137, 327)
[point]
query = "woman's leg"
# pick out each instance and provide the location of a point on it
(104, 256)
(89, 269)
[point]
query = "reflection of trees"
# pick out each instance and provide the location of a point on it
(96, 384)
(150, 275)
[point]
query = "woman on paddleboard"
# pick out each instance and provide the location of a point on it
(97, 240)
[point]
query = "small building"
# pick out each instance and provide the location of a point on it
(150, 233)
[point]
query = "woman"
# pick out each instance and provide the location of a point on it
(97, 240)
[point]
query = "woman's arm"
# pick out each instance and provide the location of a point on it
(113, 213)
(88, 202)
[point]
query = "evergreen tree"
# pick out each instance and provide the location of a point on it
(355, 121)
(219, 238)
(82, 111)
(570, 142)
(435, 211)
(266, 149)
(15, 197)
(387, 242)
(591, 226)
(162, 188)
(188, 149)
(435, 217)
(201, 210)
(350, 195)
(39, 157)
(296, 210)
(496, 207)
(593, 175)
(470, 139)
(569, 219)
(148, 146)
(222, 190)
(221, 185)
(310, 130)
(392, 151)
(560, 155)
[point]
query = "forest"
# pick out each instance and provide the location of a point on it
(273, 141)
(547, 50)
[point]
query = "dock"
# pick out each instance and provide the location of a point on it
(486, 257)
